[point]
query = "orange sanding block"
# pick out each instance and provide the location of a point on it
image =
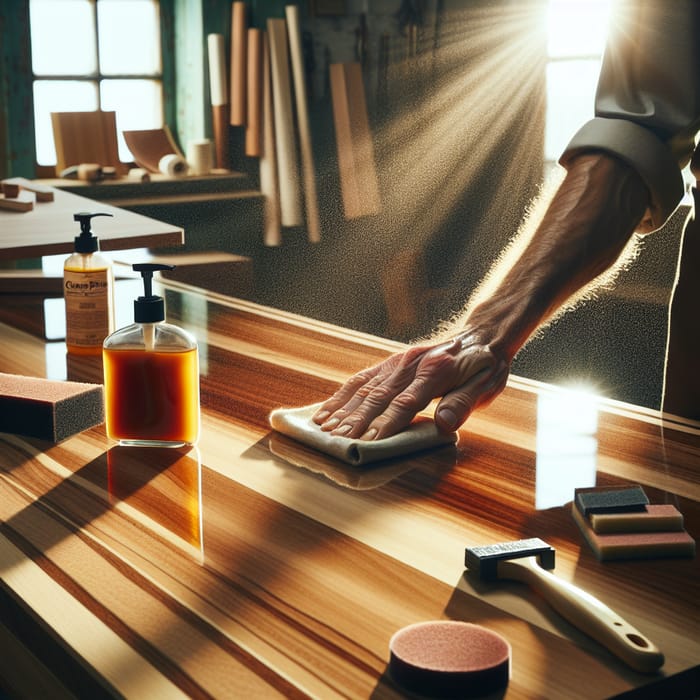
(48, 409)
(662, 517)
(635, 544)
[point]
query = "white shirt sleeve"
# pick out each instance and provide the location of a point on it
(648, 99)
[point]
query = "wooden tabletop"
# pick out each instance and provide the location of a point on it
(49, 229)
(252, 567)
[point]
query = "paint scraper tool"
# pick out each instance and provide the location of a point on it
(530, 561)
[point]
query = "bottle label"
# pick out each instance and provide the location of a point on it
(87, 306)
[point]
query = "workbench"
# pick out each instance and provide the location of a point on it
(250, 566)
(49, 229)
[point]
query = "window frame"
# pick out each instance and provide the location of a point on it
(559, 59)
(21, 126)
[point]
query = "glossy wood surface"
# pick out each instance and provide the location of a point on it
(49, 228)
(251, 567)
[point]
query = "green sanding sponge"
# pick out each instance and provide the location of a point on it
(48, 409)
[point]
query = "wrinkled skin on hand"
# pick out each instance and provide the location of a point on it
(382, 400)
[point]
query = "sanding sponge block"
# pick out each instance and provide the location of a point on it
(48, 409)
(662, 517)
(635, 545)
(614, 500)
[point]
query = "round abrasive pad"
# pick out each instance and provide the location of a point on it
(449, 659)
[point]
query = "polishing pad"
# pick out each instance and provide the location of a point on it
(449, 659)
(297, 423)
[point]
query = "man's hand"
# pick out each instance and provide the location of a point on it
(382, 400)
(586, 227)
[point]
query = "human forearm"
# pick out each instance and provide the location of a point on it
(583, 232)
(586, 227)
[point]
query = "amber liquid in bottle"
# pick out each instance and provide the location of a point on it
(154, 396)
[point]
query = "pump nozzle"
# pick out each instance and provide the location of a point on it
(149, 308)
(86, 242)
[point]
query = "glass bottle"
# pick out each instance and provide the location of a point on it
(151, 373)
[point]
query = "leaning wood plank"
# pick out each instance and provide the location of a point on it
(239, 31)
(287, 158)
(313, 223)
(86, 137)
(358, 175)
(269, 181)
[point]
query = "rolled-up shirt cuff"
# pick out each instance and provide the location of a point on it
(643, 151)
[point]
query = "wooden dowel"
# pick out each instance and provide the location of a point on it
(218, 89)
(239, 29)
(269, 182)
(253, 133)
(220, 126)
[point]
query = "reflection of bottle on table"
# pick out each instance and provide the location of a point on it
(88, 290)
(151, 372)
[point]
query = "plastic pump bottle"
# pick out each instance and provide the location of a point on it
(88, 290)
(151, 373)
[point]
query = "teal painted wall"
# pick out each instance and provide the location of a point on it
(17, 151)
(191, 97)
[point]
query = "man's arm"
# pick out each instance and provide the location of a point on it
(623, 175)
(583, 232)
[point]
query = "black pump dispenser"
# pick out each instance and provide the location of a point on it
(149, 308)
(86, 242)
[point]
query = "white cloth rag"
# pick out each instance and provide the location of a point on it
(297, 423)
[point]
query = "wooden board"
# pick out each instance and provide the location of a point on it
(358, 175)
(22, 202)
(42, 193)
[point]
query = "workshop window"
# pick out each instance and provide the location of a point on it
(577, 31)
(96, 55)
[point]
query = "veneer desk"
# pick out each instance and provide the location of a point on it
(250, 567)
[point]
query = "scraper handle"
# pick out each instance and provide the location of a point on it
(587, 613)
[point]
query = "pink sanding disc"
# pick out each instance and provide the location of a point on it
(447, 658)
